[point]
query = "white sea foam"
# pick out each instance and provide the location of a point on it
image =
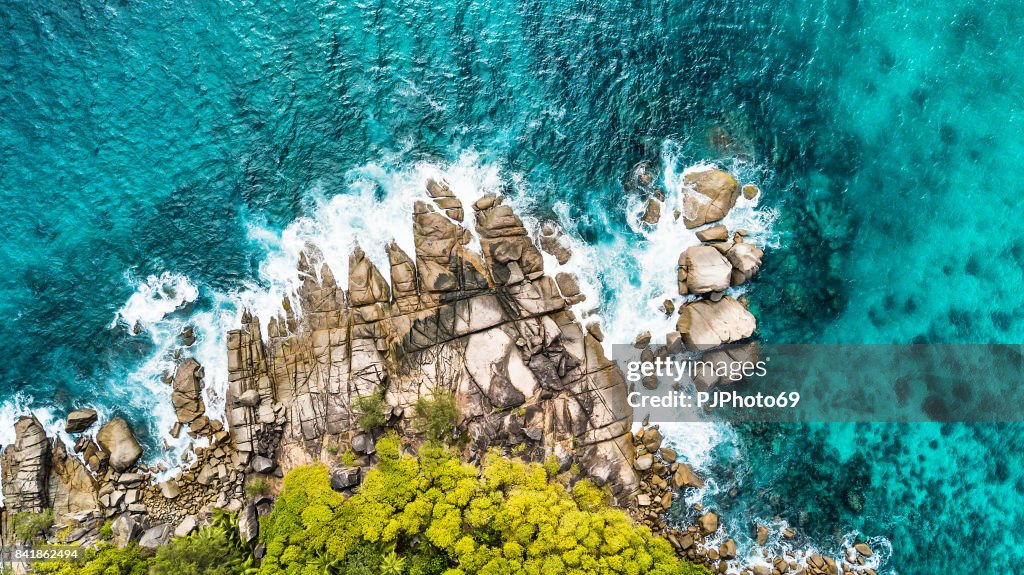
(154, 298)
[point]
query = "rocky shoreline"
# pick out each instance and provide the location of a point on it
(489, 327)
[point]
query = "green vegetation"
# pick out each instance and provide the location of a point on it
(208, 552)
(435, 417)
(426, 515)
(257, 487)
(107, 530)
(28, 526)
(348, 459)
(214, 550)
(434, 515)
(104, 560)
(371, 412)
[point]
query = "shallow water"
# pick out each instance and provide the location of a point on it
(150, 138)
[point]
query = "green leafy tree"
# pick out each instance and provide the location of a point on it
(434, 515)
(208, 552)
(436, 416)
(103, 560)
(370, 409)
(29, 526)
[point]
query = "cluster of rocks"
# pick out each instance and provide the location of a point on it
(106, 483)
(717, 264)
(663, 478)
(706, 271)
(811, 564)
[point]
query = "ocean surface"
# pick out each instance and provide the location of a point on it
(162, 164)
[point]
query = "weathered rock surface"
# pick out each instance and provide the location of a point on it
(706, 324)
(156, 536)
(79, 420)
(552, 242)
(710, 194)
(117, 440)
(490, 328)
(703, 269)
(746, 261)
(652, 212)
(188, 388)
(26, 466)
(717, 233)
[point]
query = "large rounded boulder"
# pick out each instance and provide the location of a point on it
(709, 196)
(118, 442)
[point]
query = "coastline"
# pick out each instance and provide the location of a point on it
(471, 312)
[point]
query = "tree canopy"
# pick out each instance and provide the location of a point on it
(434, 515)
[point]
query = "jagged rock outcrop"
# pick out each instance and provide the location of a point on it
(487, 327)
(26, 467)
(491, 329)
(187, 396)
(72, 488)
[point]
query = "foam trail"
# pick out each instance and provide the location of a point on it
(154, 298)
(157, 310)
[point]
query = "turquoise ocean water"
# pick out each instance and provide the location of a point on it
(184, 140)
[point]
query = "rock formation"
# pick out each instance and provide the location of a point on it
(118, 442)
(703, 269)
(492, 330)
(488, 328)
(26, 467)
(709, 197)
(79, 420)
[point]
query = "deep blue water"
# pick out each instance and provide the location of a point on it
(147, 137)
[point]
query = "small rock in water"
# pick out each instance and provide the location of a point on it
(80, 420)
(642, 340)
(709, 522)
(762, 534)
(670, 307)
(685, 477)
(652, 213)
